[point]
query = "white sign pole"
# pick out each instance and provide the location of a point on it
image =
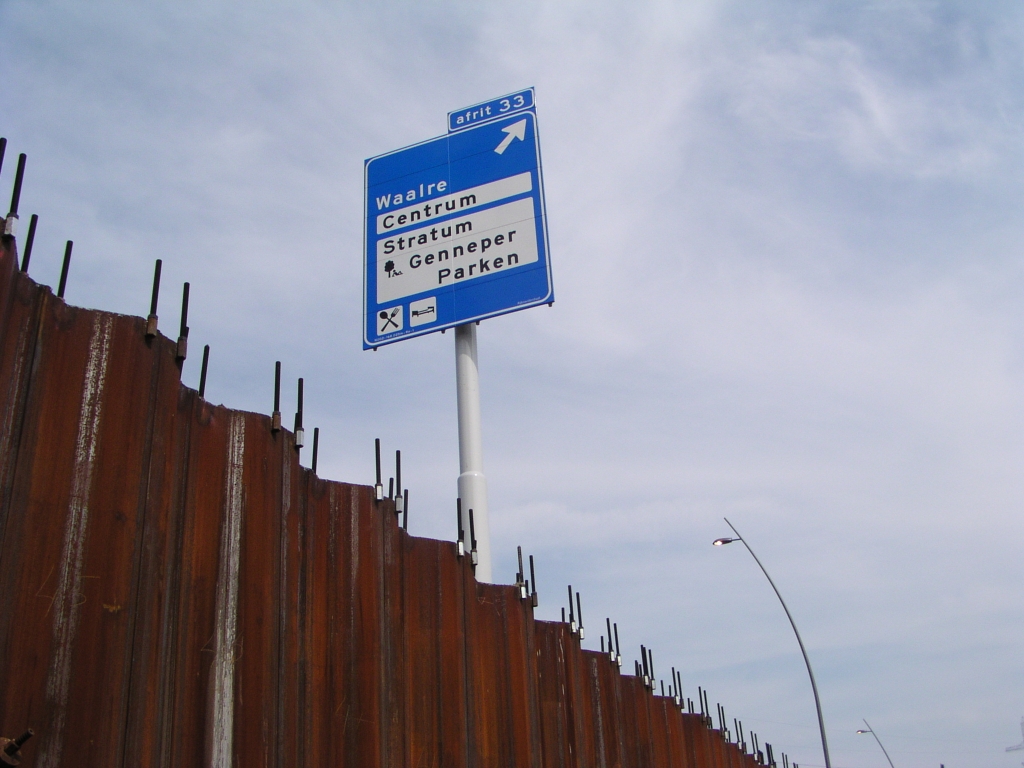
(472, 483)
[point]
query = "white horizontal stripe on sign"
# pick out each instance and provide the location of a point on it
(436, 207)
(465, 248)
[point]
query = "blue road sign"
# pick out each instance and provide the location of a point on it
(489, 110)
(455, 231)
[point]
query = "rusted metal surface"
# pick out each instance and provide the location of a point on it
(176, 590)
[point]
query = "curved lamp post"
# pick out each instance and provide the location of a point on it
(807, 661)
(868, 730)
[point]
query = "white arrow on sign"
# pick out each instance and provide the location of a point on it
(514, 131)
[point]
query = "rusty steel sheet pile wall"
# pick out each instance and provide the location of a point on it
(178, 591)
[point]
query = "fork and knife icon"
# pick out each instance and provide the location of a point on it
(389, 318)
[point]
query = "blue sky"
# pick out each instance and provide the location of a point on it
(786, 240)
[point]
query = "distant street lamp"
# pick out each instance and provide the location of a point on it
(807, 661)
(868, 730)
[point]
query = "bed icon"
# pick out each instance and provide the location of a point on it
(423, 312)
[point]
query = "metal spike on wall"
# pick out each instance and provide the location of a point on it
(299, 432)
(64, 270)
(11, 223)
(202, 372)
(32, 222)
(151, 321)
(181, 351)
(378, 489)
(275, 416)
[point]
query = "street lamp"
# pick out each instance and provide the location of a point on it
(807, 661)
(868, 730)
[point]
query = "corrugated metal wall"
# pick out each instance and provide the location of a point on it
(175, 590)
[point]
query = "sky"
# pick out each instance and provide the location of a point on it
(786, 242)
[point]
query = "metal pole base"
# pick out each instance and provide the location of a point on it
(472, 483)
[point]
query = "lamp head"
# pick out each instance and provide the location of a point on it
(724, 540)
(864, 730)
